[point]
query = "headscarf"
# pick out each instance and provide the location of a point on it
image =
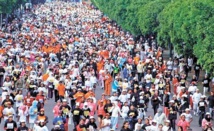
(160, 111)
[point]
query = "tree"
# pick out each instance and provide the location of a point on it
(181, 22)
(147, 16)
(7, 6)
(186, 24)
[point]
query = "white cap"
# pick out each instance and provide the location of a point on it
(187, 109)
(56, 126)
(22, 120)
(182, 114)
(203, 96)
(182, 87)
(167, 121)
(171, 101)
(64, 100)
(207, 113)
(142, 92)
(124, 90)
(91, 117)
(184, 95)
(154, 121)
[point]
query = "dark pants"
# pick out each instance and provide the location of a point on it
(30, 89)
(197, 73)
(1, 80)
(76, 122)
(201, 116)
(155, 108)
(140, 75)
(172, 123)
(50, 92)
(56, 95)
(161, 96)
(72, 105)
(61, 98)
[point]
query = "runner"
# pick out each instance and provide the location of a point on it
(70, 51)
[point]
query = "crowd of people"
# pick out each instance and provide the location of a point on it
(66, 52)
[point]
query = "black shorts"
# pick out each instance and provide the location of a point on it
(100, 116)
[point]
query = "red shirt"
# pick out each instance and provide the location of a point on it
(29, 100)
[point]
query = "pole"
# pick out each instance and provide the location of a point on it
(1, 21)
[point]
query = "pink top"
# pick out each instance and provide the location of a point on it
(183, 124)
(32, 58)
(81, 105)
(204, 122)
(92, 107)
(56, 110)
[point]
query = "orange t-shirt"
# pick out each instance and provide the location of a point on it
(61, 89)
(99, 66)
(136, 60)
(78, 96)
(45, 77)
(1, 111)
(89, 94)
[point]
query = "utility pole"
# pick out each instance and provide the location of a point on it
(1, 20)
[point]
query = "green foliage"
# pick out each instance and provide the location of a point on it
(148, 14)
(7, 6)
(174, 21)
(182, 21)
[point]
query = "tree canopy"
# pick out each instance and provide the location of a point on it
(186, 24)
(7, 6)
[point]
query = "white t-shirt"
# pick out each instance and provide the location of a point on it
(169, 65)
(192, 88)
(38, 128)
(8, 112)
(123, 98)
(115, 111)
(106, 122)
(125, 110)
(148, 78)
(190, 62)
(88, 83)
(138, 126)
(196, 97)
(7, 84)
(19, 100)
(188, 117)
(165, 128)
(76, 72)
(42, 89)
(23, 114)
(93, 79)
